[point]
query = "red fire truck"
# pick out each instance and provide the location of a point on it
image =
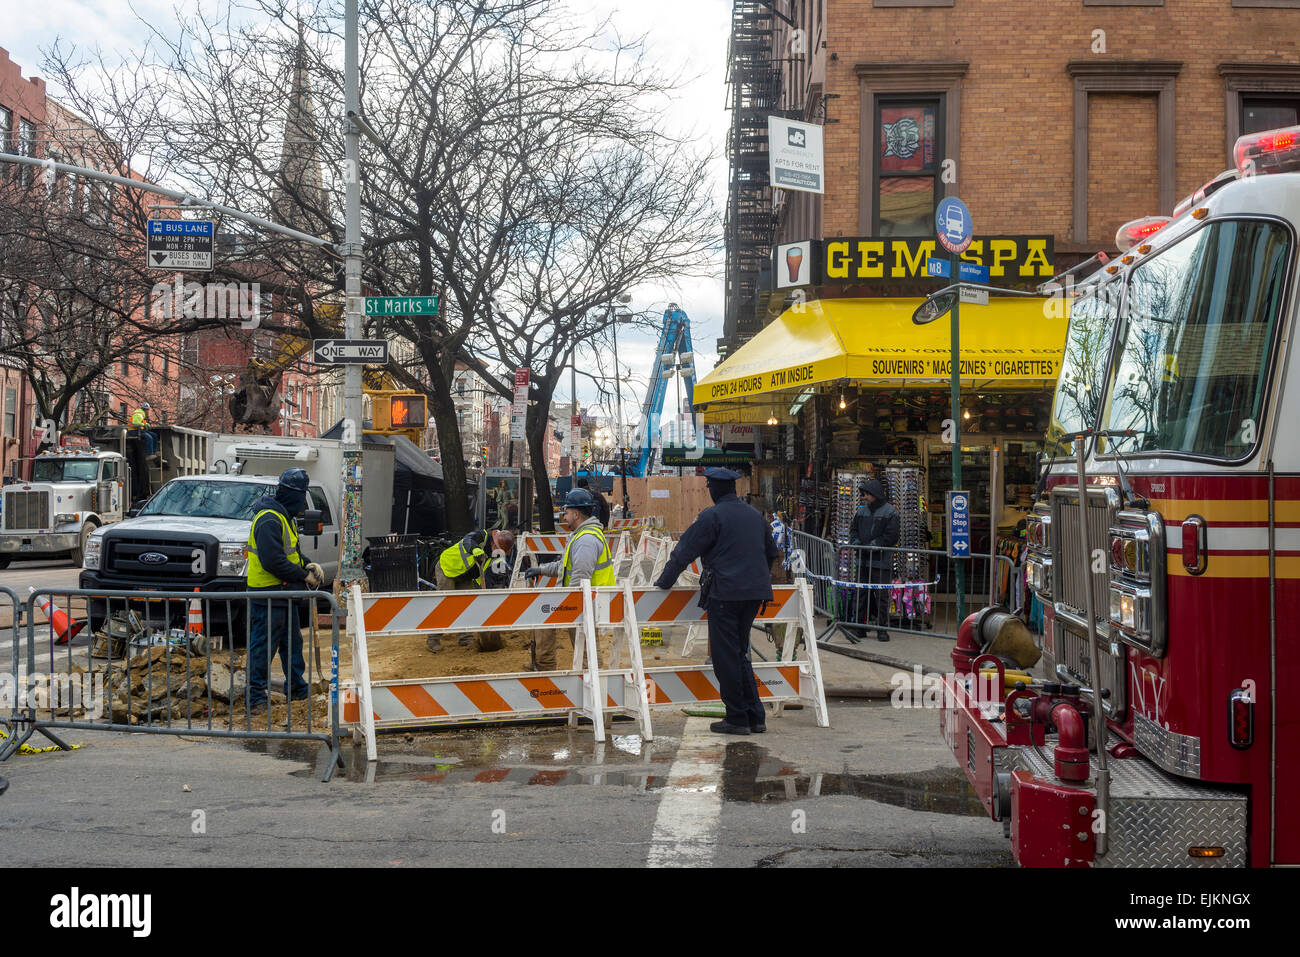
(1165, 553)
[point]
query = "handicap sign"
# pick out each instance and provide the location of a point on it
(953, 223)
(959, 525)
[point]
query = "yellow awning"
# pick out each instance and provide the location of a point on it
(1011, 343)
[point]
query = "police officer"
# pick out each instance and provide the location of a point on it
(586, 558)
(462, 566)
(738, 551)
(275, 563)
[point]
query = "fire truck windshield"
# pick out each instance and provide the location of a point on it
(1198, 320)
(1082, 383)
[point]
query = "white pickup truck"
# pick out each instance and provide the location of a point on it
(192, 533)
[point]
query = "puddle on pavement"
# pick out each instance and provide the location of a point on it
(551, 759)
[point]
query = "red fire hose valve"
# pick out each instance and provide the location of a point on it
(1071, 751)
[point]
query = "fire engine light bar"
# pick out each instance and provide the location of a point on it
(1273, 151)
(1132, 233)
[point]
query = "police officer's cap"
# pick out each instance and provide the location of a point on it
(579, 498)
(295, 479)
(719, 474)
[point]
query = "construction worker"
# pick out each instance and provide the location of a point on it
(140, 420)
(276, 564)
(586, 558)
(463, 565)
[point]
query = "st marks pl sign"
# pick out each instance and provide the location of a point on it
(865, 261)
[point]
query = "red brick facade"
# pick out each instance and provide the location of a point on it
(1021, 70)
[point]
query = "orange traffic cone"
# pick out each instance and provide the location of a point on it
(63, 630)
(196, 616)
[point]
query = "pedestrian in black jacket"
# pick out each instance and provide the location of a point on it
(875, 524)
(736, 544)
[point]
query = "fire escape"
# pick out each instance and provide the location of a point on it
(754, 83)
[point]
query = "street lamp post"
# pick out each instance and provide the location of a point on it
(618, 394)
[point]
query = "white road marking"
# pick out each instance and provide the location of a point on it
(687, 822)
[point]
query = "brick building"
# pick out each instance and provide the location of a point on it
(22, 113)
(1065, 119)
(1055, 123)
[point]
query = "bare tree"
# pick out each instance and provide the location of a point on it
(517, 158)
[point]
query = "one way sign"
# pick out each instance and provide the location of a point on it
(959, 525)
(334, 352)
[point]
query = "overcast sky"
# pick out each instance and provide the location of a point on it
(690, 34)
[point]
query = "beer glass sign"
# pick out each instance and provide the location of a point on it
(793, 265)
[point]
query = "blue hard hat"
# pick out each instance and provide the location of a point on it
(719, 474)
(295, 479)
(579, 498)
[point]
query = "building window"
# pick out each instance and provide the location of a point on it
(123, 369)
(910, 123)
(6, 140)
(1143, 77)
(26, 147)
(1268, 90)
(909, 149)
(1259, 113)
(11, 413)
(121, 411)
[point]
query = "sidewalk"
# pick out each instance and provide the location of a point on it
(869, 667)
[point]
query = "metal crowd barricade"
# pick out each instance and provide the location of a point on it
(862, 589)
(155, 665)
(11, 678)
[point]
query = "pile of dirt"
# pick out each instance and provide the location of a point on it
(408, 656)
(166, 685)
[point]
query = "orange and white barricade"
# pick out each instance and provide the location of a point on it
(535, 545)
(425, 702)
(788, 679)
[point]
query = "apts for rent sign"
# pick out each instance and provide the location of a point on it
(794, 152)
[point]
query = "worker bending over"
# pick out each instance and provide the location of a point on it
(586, 558)
(463, 566)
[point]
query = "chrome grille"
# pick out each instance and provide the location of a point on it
(27, 510)
(1073, 655)
(1071, 572)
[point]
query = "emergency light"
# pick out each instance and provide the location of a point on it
(1273, 151)
(1132, 233)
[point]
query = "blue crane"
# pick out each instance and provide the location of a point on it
(674, 350)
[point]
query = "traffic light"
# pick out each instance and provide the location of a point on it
(485, 453)
(586, 453)
(408, 412)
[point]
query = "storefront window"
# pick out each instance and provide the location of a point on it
(908, 148)
(1198, 322)
(1082, 382)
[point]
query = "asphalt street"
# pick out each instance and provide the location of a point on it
(878, 788)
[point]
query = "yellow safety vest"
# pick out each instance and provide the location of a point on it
(457, 560)
(138, 417)
(604, 571)
(259, 577)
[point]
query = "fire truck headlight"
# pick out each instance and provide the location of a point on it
(1130, 609)
(1038, 575)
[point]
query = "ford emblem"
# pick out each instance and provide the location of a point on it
(153, 558)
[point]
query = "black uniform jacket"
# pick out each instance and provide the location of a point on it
(736, 544)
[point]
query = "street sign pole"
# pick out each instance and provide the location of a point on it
(955, 230)
(960, 570)
(350, 570)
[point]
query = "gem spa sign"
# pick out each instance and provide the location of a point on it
(865, 261)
